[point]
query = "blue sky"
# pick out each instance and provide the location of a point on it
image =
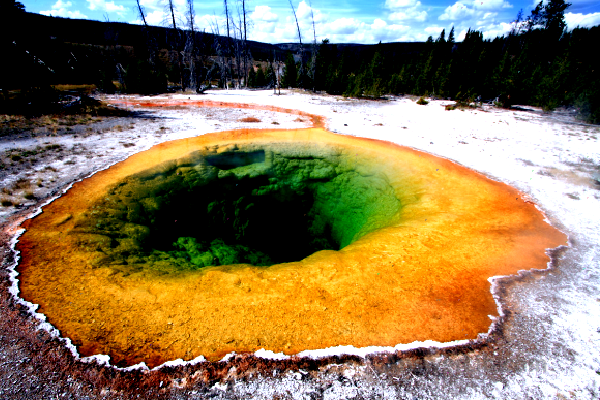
(341, 21)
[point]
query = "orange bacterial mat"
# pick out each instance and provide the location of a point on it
(133, 261)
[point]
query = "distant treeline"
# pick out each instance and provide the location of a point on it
(521, 68)
(538, 63)
(38, 49)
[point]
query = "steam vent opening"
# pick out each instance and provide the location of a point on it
(278, 240)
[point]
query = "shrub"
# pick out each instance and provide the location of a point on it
(422, 101)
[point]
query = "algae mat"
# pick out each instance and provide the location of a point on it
(282, 240)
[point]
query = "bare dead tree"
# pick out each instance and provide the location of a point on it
(275, 67)
(171, 9)
(238, 46)
(301, 72)
(141, 12)
(245, 45)
(220, 48)
(190, 50)
(313, 57)
(227, 49)
(151, 46)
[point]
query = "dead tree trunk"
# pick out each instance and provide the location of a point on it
(171, 8)
(220, 49)
(141, 13)
(227, 48)
(301, 71)
(245, 45)
(313, 57)
(191, 50)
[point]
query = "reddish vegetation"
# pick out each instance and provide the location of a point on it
(317, 120)
(249, 119)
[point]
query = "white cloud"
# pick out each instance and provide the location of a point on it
(107, 6)
(303, 13)
(582, 20)
(60, 4)
(151, 4)
(409, 15)
(60, 9)
(263, 14)
(265, 23)
(491, 4)
(473, 9)
(381, 31)
(434, 30)
(394, 4)
(340, 30)
(491, 31)
(155, 17)
(378, 24)
(344, 25)
(459, 11)
(406, 10)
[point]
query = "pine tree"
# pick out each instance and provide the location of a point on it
(290, 75)
(261, 80)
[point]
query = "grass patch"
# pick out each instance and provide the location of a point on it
(422, 101)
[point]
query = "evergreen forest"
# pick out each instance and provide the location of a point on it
(539, 63)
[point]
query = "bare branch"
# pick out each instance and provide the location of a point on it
(141, 12)
(297, 24)
(300, 40)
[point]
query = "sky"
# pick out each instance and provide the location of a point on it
(340, 21)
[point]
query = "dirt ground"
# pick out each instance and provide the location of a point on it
(546, 344)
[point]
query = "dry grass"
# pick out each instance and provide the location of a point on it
(22, 183)
(249, 119)
(79, 88)
(422, 101)
(6, 202)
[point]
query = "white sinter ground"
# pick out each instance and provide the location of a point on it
(551, 349)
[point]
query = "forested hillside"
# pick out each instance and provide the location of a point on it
(538, 63)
